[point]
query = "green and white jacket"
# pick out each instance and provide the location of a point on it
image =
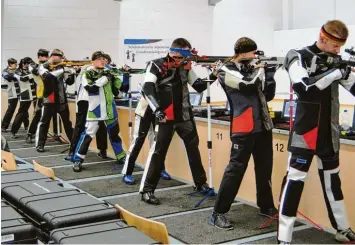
(102, 105)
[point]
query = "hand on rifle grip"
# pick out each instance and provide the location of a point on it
(126, 68)
(260, 65)
(110, 77)
(216, 67)
(161, 116)
(346, 72)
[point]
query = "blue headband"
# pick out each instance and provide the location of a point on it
(183, 51)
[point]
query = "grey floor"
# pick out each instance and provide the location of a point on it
(186, 224)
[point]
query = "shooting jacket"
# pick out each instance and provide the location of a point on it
(26, 84)
(13, 88)
(166, 88)
(316, 123)
(102, 105)
(54, 82)
(248, 91)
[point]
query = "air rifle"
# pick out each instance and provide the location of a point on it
(335, 61)
(350, 51)
(207, 59)
(270, 62)
(71, 63)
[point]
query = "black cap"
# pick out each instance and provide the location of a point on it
(43, 52)
(57, 52)
(11, 61)
(98, 54)
(244, 45)
(27, 60)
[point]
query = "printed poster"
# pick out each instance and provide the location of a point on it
(139, 51)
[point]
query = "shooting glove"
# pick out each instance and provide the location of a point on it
(345, 72)
(109, 75)
(160, 115)
(218, 66)
(69, 70)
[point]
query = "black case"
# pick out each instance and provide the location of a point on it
(108, 232)
(50, 206)
(11, 177)
(14, 228)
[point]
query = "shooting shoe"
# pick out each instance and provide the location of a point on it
(165, 175)
(29, 139)
(129, 180)
(345, 236)
(121, 161)
(204, 188)
(103, 154)
(77, 166)
(69, 157)
(220, 221)
(282, 242)
(149, 198)
(40, 148)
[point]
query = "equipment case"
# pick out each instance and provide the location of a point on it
(14, 228)
(108, 232)
(50, 206)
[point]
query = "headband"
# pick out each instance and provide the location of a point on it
(183, 51)
(332, 38)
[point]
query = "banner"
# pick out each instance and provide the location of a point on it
(139, 51)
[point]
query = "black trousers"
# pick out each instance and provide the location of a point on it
(26, 121)
(155, 162)
(12, 104)
(49, 111)
(101, 134)
(36, 117)
(293, 183)
(21, 116)
(141, 129)
(260, 145)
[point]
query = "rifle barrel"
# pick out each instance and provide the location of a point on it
(207, 59)
(349, 63)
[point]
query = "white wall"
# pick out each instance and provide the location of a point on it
(314, 13)
(232, 19)
(167, 19)
(257, 19)
(78, 27)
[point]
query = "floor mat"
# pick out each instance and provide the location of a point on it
(59, 160)
(32, 152)
(22, 144)
(172, 201)
(91, 170)
(8, 132)
(18, 137)
(308, 236)
(115, 186)
(244, 218)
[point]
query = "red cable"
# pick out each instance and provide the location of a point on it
(269, 221)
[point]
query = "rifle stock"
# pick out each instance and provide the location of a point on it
(71, 63)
